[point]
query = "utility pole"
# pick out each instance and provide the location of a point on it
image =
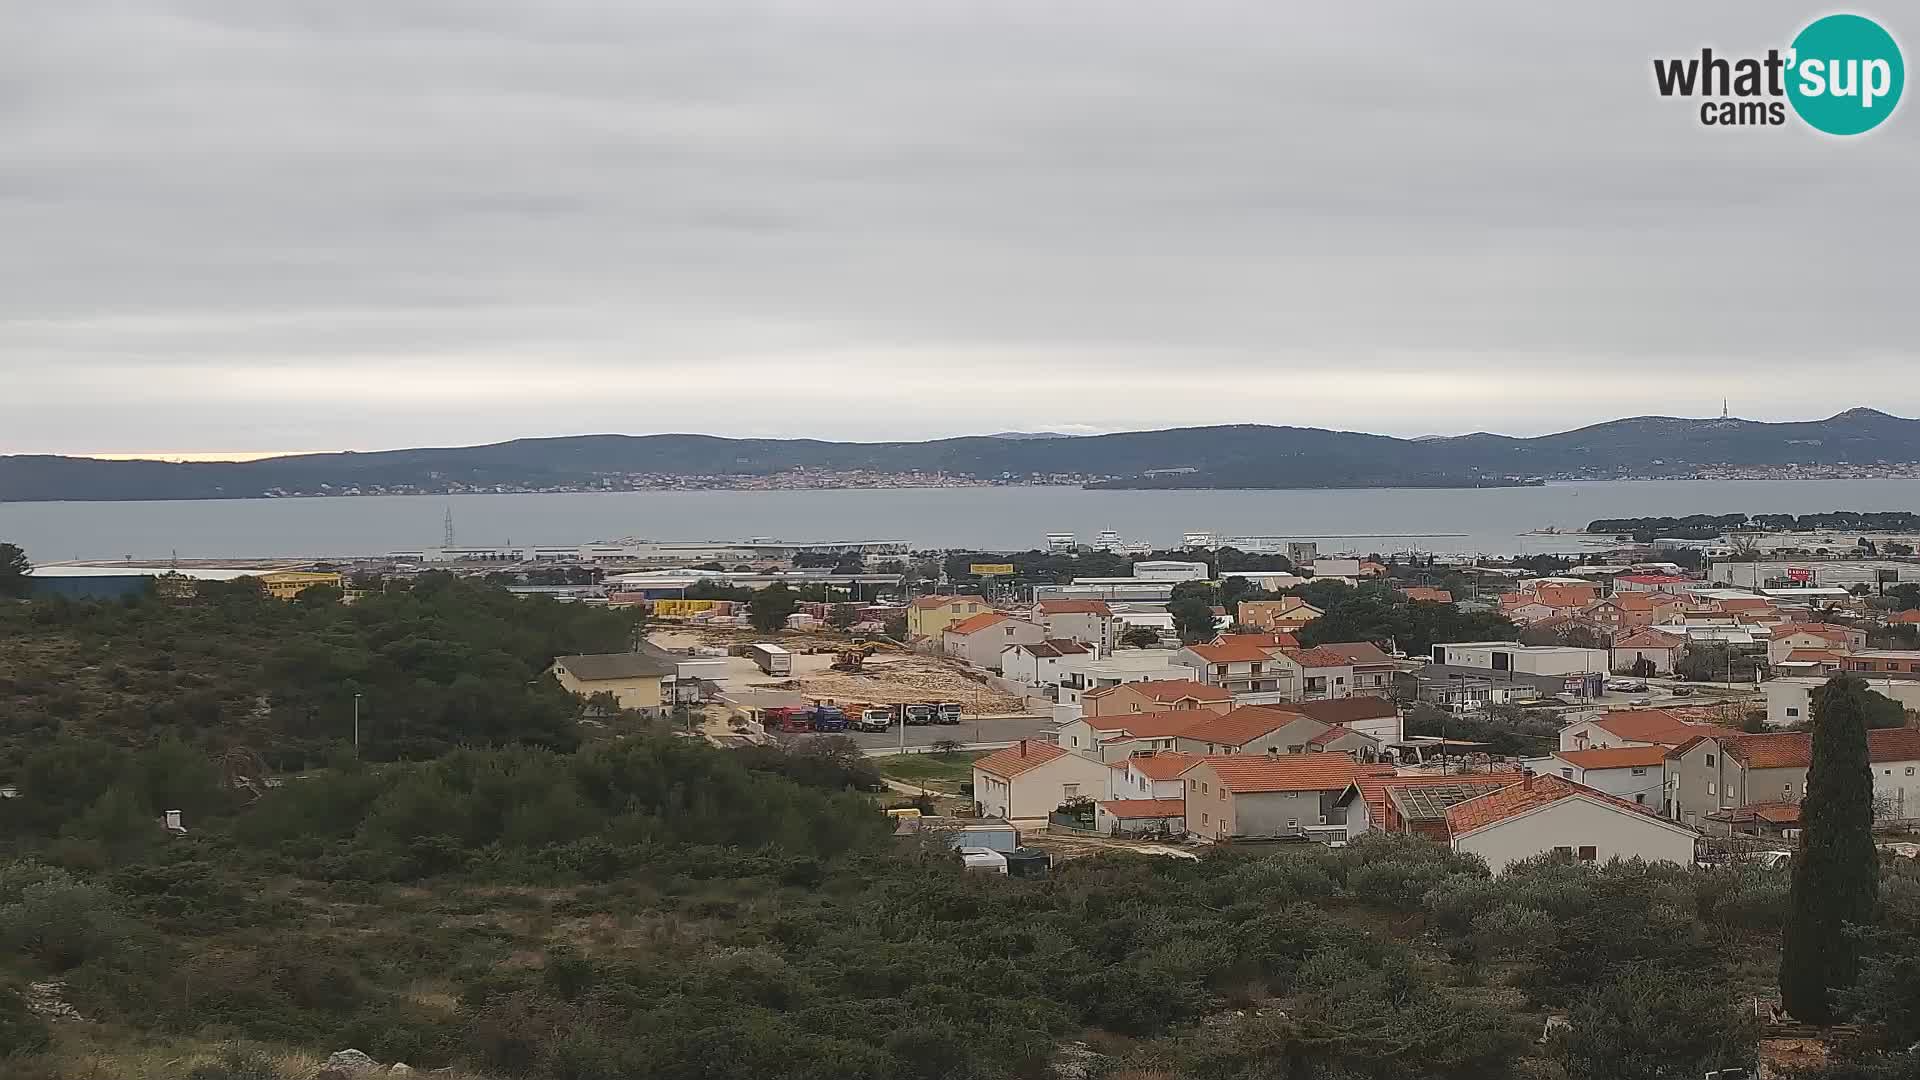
(356, 723)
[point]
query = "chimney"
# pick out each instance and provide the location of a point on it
(1526, 779)
(1023, 748)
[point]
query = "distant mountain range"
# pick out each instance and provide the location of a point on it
(1235, 456)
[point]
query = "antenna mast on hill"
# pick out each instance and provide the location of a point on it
(1723, 410)
(446, 535)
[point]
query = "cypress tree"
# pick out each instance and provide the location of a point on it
(1836, 872)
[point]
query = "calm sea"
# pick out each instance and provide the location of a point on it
(1491, 521)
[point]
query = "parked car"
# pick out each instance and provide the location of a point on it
(1626, 686)
(1641, 702)
(1681, 691)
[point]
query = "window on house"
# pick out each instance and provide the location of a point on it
(1712, 789)
(1641, 798)
(1196, 785)
(1203, 819)
(1136, 706)
(1909, 770)
(1293, 823)
(1639, 772)
(1069, 790)
(1223, 794)
(1709, 761)
(1787, 787)
(1588, 853)
(1204, 790)
(1568, 773)
(1793, 711)
(1563, 850)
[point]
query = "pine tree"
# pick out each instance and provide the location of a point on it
(1836, 872)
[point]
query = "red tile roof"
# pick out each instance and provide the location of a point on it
(1134, 809)
(1427, 595)
(1904, 617)
(1655, 726)
(1332, 734)
(1654, 579)
(1827, 631)
(1241, 726)
(1171, 690)
(1264, 641)
(1794, 749)
(1236, 652)
(1245, 774)
(1153, 725)
(1776, 813)
(1074, 607)
(1516, 799)
(1813, 656)
(1356, 652)
(1159, 765)
(928, 603)
(1619, 757)
(1023, 756)
(1318, 657)
(975, 623)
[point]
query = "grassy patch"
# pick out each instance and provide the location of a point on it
(941, 772)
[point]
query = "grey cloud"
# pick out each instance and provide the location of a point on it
(257, 224)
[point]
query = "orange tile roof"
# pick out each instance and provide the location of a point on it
(1814, 656)
(1174, 690)
(1561, 596)
(1516, 799)
(1656, 726)
(1904, 617)
(1820, 630)
(1160, 765)
(1332, 734)
(1794, 749)
(1074, 607)
(1245, 774)
(1777, 813)
(927, 603)
(1355, 652)
(1152, 725)
(974, 623)
(1021, 757)
(1619, 757)
(1241, 726)
(1236, 652)
(1145, 808)
(1265, 641)
(1632, 601)
(1427, 595)
(1317, 657)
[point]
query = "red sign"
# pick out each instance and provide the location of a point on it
(1795, 573)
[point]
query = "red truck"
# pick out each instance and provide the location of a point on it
(788, 720)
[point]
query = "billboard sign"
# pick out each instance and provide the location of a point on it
(1799, 574)
(995, 569)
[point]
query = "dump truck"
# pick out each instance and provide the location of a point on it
(874, 718)
(790, 720)
(829, 718)
(921, 715)
(949, 712)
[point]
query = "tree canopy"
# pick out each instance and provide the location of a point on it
(14, 569)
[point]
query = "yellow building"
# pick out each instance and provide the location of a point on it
(287, 584)
(929, 616)
(634, 679)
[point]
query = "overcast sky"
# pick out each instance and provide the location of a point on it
(249, 225)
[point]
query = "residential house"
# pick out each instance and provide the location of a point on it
(1413, 804)
(1287, 614)
(1543, 814)
(1043, 663)
(1264, 639)
(1373, 670)
(1125, 666)
(1323, 672)
(1790, 698)
(1626, 611)
(1810, 663)
(633, 678)
(929, 616)
(1634, 773)
(1884, 661)
(1375, 717)
(1254, 795)
(1424, 594)
(1242, 667)
(1737, 769)
(1904, 618)
(1030, 779)
(1251, 729)
(1089, 622)
(1155, 695)
(1149, 775)
(981, 639)
(1501, 656)
(1140, 817)
(1656, 647)
(1115, 738)
(1830, 637)
(1633, 727)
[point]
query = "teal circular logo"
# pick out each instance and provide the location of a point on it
(1845, 75)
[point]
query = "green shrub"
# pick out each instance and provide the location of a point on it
(21, 1032)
